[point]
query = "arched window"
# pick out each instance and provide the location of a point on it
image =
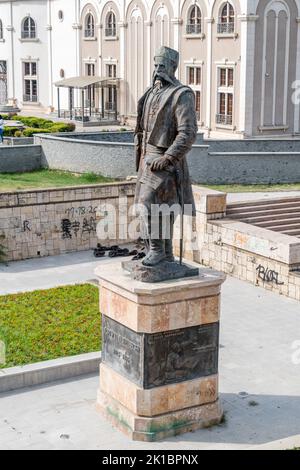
(226, 19)
(194, 21)
(28, 28)
(111, 25)
(89, 26)
(1, 30)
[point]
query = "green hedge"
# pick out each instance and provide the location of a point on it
(36, 125)
(10, 131)
(30, 131)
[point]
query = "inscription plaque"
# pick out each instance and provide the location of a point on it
(152, 360)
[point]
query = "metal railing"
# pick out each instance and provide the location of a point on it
(225, 119)
(28, 34)
(110, 106)
(110, 32)
(193, 29)
(89, 33)
(226, 28)
(30, 98)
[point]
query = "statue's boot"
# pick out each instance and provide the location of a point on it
(169, 251)
(156, 253)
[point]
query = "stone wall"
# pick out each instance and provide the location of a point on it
(264, 258)
(55, 221)
(20, 158)
(210, 161)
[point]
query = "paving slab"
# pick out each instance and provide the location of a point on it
(259, 383)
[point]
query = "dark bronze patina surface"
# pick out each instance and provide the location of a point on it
(152, 360)
(167, 271)
(165, 132)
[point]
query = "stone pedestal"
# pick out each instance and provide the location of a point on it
(160, 342)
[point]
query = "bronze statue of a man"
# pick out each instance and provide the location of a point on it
(166, 130)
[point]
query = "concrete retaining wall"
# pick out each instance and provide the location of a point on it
(210, 161)
(20, 158)
(55, 221)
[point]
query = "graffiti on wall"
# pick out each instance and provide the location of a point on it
(268, 275)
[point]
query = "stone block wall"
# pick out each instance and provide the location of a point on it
(253, 254)
(55, 221)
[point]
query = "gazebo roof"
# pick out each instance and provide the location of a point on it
(85, 82)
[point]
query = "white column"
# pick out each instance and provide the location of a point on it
(297, 77)
(122, 73)
(149, 59)
(11, 69)
(209, 22)
(50, 57)
(177, 22)
(245, 125)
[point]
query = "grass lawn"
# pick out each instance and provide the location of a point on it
(252, 188)
(47, 179)
(47, 324)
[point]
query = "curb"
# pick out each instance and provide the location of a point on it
(40, 373)
(288, 443)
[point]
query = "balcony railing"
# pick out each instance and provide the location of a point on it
(110, 106)
(30, 98)
(28, 34)
(193, 29)
(225, 119)
(89, 33)
(226, 28)
(110, 32)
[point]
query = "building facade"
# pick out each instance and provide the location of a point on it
(241, 57)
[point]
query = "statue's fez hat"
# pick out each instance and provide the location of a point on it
(166, 53)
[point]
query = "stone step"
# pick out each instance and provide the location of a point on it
(283, 228)
(267, 212)
(265, 202)
(269, 218)
(261, 208)
(278, 222)
(292, 232)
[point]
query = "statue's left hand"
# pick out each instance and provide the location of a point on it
(160, 163)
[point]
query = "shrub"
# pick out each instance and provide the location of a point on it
(62, 127)
(10, 131)
(36, 123)
(5, 117)
(30, 131)
(18, 134)
(45, 125)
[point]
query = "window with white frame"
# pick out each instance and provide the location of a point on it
(90, 70)
(30, 81)
(225, 96)
(194, 20)
(1, 30)
(111, 72)
(28, 28)
(194, 81)
(110, 25)
(226, 19)
(89, 31)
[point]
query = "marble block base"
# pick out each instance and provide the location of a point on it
(159, 371)
(140, 428)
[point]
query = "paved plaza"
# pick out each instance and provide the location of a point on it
(259, 382)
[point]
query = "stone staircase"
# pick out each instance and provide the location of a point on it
(278, 215)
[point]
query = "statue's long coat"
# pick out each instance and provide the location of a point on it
(174, 131)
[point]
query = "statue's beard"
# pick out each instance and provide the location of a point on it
(163, 77)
